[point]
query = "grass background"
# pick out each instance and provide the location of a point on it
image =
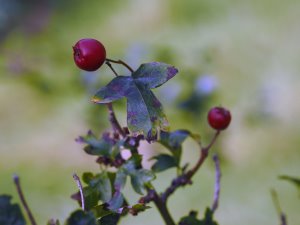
(250, 47)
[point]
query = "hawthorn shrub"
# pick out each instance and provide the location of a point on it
(100, 196)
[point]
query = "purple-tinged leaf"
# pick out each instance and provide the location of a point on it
(154, 74)
(120, 179)
(116, 89)
(116, 202)
(144, 111)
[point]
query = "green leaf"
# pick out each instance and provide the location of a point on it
(95, 146)
(87, 177)
(208, 219)
(139, 176)
(144, 111)
(80, 217)
(191, 219)
(154, 74)
(293, 180)
(120, 179)
(140, 207)
(116, 202)
(10, 214)
(173, 141)
(91, 197)
(163, 162)
(101, 183)
(111, 219)
(101, 210)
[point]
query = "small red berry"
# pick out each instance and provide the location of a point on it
(89, 54)
(219, 118)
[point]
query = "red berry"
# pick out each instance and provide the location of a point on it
(89, 54)
(219, 118)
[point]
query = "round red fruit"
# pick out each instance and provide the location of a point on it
(219, 118)
(89, 54)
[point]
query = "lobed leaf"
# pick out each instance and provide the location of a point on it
(139, 177)
(154, 74)
(173, 141)
(144, 111)
(101, 183)
(116, 202)
(95, 146)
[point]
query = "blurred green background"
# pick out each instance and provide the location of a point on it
(243, 55)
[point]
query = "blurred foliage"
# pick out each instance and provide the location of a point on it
(249, 47)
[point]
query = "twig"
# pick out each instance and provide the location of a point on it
(113, 120)
(185, 178)
(120, 62)
(110, 66)
(79, 185)
(215, 203)
(162, 208)
(281, 214)
(22, 198)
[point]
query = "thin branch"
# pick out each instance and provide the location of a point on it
(162, 208)
(113, 120)
(215, 203)
(79, 185)
(203, 156)
(111, 67)
(185, 178)
(281, 214)
(22, 198)
(122, 63)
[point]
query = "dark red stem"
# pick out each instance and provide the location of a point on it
(110, 66)
(185, 178)
(113, 120)
(162, 208)
(120, 62)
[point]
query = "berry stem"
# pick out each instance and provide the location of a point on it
(110, 66)
(185, 178)
(113, 120)
(23, 201)
(120, 62)
(203, 156)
